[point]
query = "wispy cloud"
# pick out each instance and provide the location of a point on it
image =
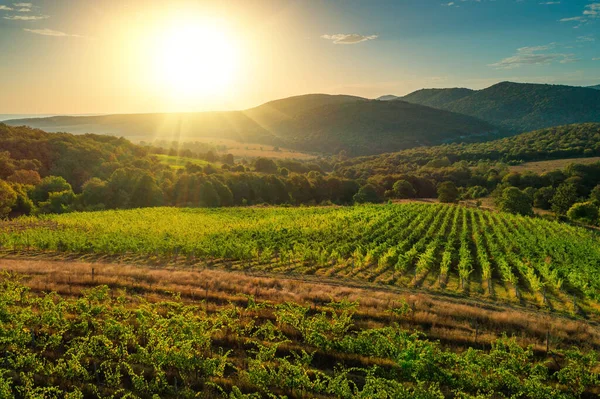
(49, 32)
(549, 3)
(24, 10)
(535, 55)
(5, 8)
(26, 17)
(586, 39)
(590, 12)
(348, 38)
(596, 59)
(28, 5)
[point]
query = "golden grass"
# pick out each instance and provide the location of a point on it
(455, 321)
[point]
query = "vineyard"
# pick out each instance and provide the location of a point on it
(104, 343)
(433, 247)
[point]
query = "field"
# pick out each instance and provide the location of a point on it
(400, 300)
(433, 247)
(547, 166)
(126, 331)
(180, 162)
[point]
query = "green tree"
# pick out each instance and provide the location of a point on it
(564, 197)
(146, 193)
(543, 197)
(50, 184)
(584, 212)
(95, 194)
(58, 202)
(595, 194)
(447, 192)
(8, 198)
(367, 193)
(403, 189)
(265, 165)
(516, 201)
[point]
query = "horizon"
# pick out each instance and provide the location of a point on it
(127, 57)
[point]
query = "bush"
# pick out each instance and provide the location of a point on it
(403, 189)
(8, 198)
(515, 201)
(367, 193)
(542, 197)
(564, 198)
(447, 192)
(584, 212)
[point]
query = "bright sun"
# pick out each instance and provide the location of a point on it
(196, 60)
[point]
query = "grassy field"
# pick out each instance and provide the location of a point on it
(180, 162)
(431, 247)
(547, 166)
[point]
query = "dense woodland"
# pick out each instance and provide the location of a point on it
(519, 107)
(56, 173)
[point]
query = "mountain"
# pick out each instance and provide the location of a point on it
(316, 122)
(517, 106)
(388, 97)
(597, 87)
(437, 98)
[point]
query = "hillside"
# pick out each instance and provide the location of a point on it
(437, 98)
(562, 142)
(318, 122)
(76, 158)
(597, 87)
(517, 106)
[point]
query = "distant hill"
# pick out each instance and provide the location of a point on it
(597, 87)
(437, 98)
(388, 97)
(517, 106)
(560, 142)
(315, 122)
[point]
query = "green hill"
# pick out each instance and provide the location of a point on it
(316, 122)
(517, 106)
(597, 87)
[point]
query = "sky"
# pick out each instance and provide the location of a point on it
(138, 56)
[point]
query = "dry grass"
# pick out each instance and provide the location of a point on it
(456, 322)
(546, 166)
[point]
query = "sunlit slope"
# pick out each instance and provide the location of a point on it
(317, 122)
(438, 247)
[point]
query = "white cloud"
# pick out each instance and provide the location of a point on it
(28, 5)
(548, 3)
(49, 32)
(535, 55)
(348, 38)
(26, 17)
(24, 10)
(5, 8)
(593, 10)
(596, 59)
(586, 39)
(573, 19)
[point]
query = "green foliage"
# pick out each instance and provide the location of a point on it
(403, 189)
(447, 192)
(8, 198)
(543, 197)
(367, 194)
(564, 197)
(107, 346)
(515, 201)
(517, 106)
(48, 185)
(584, 212)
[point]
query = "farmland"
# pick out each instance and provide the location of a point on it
(103, 342)
(432, 247)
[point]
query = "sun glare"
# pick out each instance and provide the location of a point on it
(196, 60)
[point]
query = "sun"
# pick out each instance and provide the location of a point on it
(196, 60)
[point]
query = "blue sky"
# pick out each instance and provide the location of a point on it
(84, 56)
